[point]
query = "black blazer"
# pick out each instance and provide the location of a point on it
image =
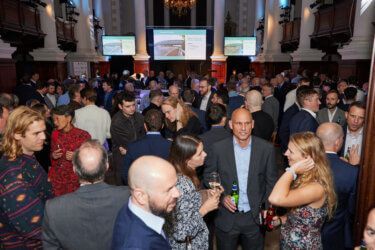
(303, 121)
(337, 233)
(198, 102)
(261, 179)
(130, 232)
(151, 144)
(263, 125)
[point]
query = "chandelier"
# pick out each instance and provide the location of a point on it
(180, 7)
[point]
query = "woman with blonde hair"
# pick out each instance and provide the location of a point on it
(307, 189)
(180, 119)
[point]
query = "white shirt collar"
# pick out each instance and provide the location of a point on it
(152, 221)
(360, 132)
(331, 152)
(310, 112)
(268, 97)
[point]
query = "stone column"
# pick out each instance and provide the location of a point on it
(218, 58)
(50, 52)
(259, 13)
(273, 34)
(361, 44)
(304, 52)
(141, 58)
(84, 34)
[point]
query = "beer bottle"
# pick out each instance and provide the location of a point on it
(234, 194)
(269, 218)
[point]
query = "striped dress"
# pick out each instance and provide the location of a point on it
(24, 190)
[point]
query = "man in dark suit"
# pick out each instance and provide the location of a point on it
(188, 97)
(84, 219)
(139, 224)
(156, 99)
(205, 94)
(337, 233)
(270, 104)
(235, 100)
(151, 144)
(109, 93)
(332, 113)
(305, 119)
(263, 123)
(250, 162)
(281, 90)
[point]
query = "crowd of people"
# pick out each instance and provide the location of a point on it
(128, 163)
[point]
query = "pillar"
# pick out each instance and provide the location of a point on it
(273, 34)
(219, 65)
(361, 43)
(259, 13)
(141, 58)
(50, 51)
(84, 34)
(304, 52)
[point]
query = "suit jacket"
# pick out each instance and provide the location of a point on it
(201, 116)
(108, 103)
(261, 179)
(263, 125)
(271, 107)
(209, 103)
(337, 233)
(130, 232)
(151, 144)
(83, 219)
(284, 129)
(303, 121)
(339, 117)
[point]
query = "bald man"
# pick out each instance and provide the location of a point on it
(139, 223)
(263, 123)
(250, 162)
(337, 233)
(174, 91)
(85, 219)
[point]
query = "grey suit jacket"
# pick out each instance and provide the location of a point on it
(339, 117)
(271, 107)
(261, 179)
(83, 219)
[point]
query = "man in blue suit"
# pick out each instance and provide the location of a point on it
(337, 232)
(305, 119)
(139, 224)
(151, 144)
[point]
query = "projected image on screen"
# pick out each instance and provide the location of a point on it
(118, 45)
(239, 46)
(179, 44)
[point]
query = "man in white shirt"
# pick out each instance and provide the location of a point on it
(355, 118)
(291, 97)
(50, 98)
(96, 121)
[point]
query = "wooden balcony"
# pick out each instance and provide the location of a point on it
(65, 34)
(20, 24)
(333, 25)
(291, 34)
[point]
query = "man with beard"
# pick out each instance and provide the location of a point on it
(139, 224)
(331, 113)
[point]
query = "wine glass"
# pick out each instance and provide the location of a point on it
(214, 180)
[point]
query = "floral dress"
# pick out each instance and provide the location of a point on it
(61, 174)
(186, 221)
(302, 228)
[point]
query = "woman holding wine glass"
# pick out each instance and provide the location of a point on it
(65, 139)
(185, 226)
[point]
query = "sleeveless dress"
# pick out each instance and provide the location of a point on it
(302, 228)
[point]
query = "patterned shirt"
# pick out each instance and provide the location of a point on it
(24, 190)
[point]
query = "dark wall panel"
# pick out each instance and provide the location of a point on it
(158, 12)
(202, 13)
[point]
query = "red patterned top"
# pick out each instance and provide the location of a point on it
(61, 173)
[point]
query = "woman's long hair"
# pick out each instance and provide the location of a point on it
(182, 149)
(310, 145)
(18, 123)
(185, 115)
